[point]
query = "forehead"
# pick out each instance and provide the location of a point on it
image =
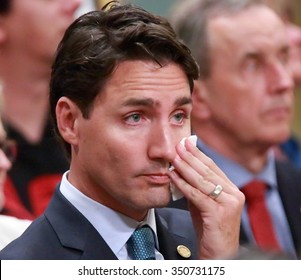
(21, 5)
(256, 27)
(145, 78)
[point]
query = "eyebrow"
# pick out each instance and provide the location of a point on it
(257, 54)
(183, 101)
(149, 102)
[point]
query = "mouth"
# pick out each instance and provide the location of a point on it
(279, 112)
(157, 178)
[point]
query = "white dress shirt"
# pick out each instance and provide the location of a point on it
(114, 227)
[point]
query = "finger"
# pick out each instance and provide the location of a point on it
(205, 166)
(196, 197)
(193, 177)
(205, 159)
(193, 195)
(199, 175)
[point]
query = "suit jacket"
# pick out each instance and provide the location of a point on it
(289, 185)
(62, 232)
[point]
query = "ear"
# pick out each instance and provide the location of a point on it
(67, 114)
(201, 109)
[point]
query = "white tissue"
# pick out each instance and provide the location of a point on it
(175, 192)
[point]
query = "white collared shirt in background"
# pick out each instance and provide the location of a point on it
(11, 228)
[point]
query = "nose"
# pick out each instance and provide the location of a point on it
(161, 145)
(280, 78)
(5, 163)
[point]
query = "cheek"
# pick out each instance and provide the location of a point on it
(112, 151)
(106, 143)
(122, 152)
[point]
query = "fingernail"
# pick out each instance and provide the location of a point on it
(182, 148)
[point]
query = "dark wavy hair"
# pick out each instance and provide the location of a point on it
(98, 41)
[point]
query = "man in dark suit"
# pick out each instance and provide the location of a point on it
(120, 96)
(242, 108)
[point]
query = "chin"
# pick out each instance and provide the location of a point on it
(155, 200)
(161, 202)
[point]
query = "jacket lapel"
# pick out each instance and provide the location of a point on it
(78, 236)
(75, 232)
(169, 242)
(289, 184)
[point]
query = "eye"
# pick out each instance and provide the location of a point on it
(133, 119)
(252, 64)
(179, 117)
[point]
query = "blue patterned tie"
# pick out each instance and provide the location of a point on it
(141, 244)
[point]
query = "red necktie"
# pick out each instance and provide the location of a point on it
(260, 219)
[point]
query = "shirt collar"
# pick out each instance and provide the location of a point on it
(239, 175)
(114, 233)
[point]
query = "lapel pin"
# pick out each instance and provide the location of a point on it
(183, 251)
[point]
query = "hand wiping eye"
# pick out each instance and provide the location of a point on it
(175, 192)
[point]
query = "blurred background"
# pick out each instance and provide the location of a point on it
(163, 7)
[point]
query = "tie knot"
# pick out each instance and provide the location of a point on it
(254, 190)
(141, 244)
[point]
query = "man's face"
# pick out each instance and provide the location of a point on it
(123, 151)
(35, 27)
(250, 90)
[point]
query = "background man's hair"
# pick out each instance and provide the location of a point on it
(190, 19)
